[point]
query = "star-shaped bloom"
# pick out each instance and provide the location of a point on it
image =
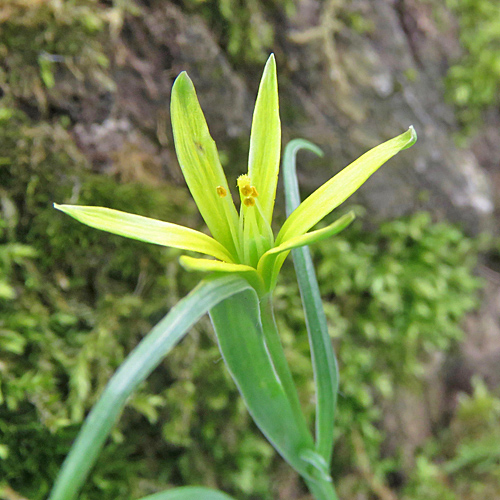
(242, 240)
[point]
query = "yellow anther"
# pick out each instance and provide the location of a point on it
(254, 192)
(246, 190)
(221, 191)
(249, 202)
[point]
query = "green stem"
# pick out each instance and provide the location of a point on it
(277, 354)
(322, 490)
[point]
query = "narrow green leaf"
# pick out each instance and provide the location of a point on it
(265, 140)
(238, 325)
(200, 164)
(324, 362)
(322, 490)
(146, 229)
(331, 194)
(189, 493)
(134, 370)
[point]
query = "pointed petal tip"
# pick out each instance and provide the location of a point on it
(413, 137)
(270, 64)
(182, 81)
(61, 208)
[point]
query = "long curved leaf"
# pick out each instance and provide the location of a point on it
(134, 370)
(259, 376)
(322, 353)
(189, 493)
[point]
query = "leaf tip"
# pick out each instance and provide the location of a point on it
(350, 216)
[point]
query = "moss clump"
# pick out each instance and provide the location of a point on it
(394, 298)
(44, 38)
(465, 461)
(75, 301)
(246, 28)
(473, 81)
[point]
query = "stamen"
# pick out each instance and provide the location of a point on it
(246, 190)
(221, 191)
(255, 232)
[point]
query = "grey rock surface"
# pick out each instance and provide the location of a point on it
(346, 91)
(379, 86)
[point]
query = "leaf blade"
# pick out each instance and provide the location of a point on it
(238, 326)
(135, 369)
(325, 366)
(189, 493)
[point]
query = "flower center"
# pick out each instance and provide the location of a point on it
(255, 234)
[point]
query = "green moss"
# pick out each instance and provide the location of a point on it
(473, 81)
(75, 301)
(247, 28)
(393, 298)
(465, 462)
(46, 38)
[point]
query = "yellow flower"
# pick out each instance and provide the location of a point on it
(242, 241)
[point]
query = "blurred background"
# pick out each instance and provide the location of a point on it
(412, 289)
